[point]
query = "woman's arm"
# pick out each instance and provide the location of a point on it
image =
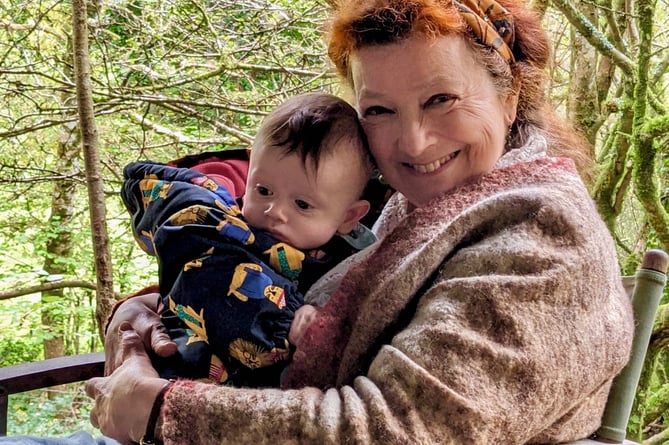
(515, 339)
(124, 400)
(446, 376)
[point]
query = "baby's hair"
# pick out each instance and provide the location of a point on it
(312, 125)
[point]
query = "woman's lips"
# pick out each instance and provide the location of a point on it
(434, 165)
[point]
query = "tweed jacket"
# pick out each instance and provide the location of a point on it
(493, 315)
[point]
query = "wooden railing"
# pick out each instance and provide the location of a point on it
(46, 373)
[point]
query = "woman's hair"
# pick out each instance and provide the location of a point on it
(312, 125)
(357, 24)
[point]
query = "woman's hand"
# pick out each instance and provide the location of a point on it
(123, 400)
(141, 313)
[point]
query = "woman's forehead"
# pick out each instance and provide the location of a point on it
(425, 59)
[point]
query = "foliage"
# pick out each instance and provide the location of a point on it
(13, 351)
(68, 411)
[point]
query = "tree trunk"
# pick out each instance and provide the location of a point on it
(647, 188)
(59, 244)
(59, 240)
(89, 137)
(583, 107)
(614, 178)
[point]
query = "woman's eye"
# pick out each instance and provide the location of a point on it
(302, 204)
(375, 111)
(263, 191)
(439, 99)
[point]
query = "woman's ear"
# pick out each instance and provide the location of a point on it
(354, 214)
(510, 108)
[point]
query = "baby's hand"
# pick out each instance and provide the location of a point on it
(304, 316)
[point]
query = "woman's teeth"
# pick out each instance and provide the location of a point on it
(432, 166)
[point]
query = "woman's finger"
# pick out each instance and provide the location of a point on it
(93, 390)
(94, 418)
(161, 343)
(91, 386)
(138, 312)
(131, 342)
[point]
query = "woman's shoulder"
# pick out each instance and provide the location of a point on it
(543, 200)
(544, 181)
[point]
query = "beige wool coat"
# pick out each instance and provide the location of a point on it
(494, 315)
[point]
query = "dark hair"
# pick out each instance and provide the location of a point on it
(312, 125)
(357, 24)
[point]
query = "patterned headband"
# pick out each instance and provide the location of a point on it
(491, 23)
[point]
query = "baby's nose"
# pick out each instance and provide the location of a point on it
(275, 211)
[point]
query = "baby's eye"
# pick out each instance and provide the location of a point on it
(302, 204)
(263, 191)
(376, 110)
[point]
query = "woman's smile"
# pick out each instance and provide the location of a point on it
(434, 165)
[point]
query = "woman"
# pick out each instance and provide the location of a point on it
(491, 311)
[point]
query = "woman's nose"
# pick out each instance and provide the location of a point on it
(413, 137)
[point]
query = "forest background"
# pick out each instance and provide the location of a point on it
(170, 78)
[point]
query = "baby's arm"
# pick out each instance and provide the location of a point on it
(304, 316)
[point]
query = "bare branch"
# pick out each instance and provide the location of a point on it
(44, 287)
(181, 138)
(658, 438)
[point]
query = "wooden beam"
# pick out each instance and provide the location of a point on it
(46, 373)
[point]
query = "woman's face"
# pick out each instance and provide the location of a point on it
(431, 112)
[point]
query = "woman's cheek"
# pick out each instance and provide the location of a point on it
(378, 141)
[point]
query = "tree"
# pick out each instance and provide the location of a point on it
(632, 105)
(629, 83)
(89, 138)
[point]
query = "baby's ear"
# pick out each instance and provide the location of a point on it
(354, 214)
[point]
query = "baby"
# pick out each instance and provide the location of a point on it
(232, 275)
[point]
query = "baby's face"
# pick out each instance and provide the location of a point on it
(296, 204)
